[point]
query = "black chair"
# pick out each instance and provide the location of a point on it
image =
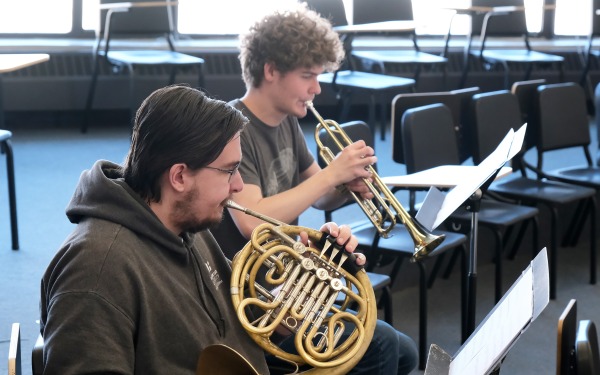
(456, 100)
(348, 81)
(131, 21)
(418, 126)
(564, 124)
(6, 148)
(399, 247)
(369, 11)
(506, 19)
(492, 115)
(525, 93)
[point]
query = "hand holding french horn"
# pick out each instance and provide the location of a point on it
(315, 287)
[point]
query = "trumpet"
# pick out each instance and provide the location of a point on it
(313, 295)
(384, 210)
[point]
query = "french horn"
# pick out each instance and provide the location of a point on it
(384, 210)
(307, 290)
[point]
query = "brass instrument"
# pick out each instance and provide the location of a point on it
(307, 283)
(384, 210)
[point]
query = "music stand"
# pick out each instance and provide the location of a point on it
(437, 207)
(489, 344)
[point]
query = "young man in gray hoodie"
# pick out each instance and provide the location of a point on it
(140, 286)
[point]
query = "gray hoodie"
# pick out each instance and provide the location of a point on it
(125, 295)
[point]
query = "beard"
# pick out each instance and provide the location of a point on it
(187, 218)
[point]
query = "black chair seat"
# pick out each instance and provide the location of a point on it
(522, 188)
(586, 176)
(496, 214)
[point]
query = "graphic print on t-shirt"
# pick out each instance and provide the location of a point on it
(281, 172)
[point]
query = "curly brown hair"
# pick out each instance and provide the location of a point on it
(289, 39)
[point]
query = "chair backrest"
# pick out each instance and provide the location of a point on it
(367, 11)
(356, 130)
(507, 25)
(525, 91)
(563, 117)
(492, 115)
(154, 20)
(456, 100)
(595, 18)
(421, 149)
(567, 329)
(586, 349)
(333, 10)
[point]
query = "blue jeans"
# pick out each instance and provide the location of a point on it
(390, 352)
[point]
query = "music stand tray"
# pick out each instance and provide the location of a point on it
(487, 346)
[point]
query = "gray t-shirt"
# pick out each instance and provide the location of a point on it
(273, 159)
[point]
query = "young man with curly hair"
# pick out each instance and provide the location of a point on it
(281, 57)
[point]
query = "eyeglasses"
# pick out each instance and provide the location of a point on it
(231, 172)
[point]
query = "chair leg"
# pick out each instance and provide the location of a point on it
(553, 251)
(593, 217)
(372, 109)
(132, 105)
(575, 228)
(435, 270)
(12, 197)
(383, 117)
(201, 82)
(450, 265)
(91, 92)
(422, 316)
(498, 276)
(386, 301)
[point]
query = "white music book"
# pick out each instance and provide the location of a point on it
(499, 331)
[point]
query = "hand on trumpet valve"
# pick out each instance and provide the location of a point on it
(353, 162)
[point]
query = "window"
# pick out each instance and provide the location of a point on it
(230, 17)
(36, 16)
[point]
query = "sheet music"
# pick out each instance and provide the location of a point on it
(486, 346)
(433, 208)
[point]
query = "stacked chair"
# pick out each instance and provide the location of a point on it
(423, 151)
(369, 11)
(506, 19)
(122, 21)
(493, 114)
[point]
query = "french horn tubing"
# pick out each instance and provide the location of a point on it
(307, 291)
(384, 210)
